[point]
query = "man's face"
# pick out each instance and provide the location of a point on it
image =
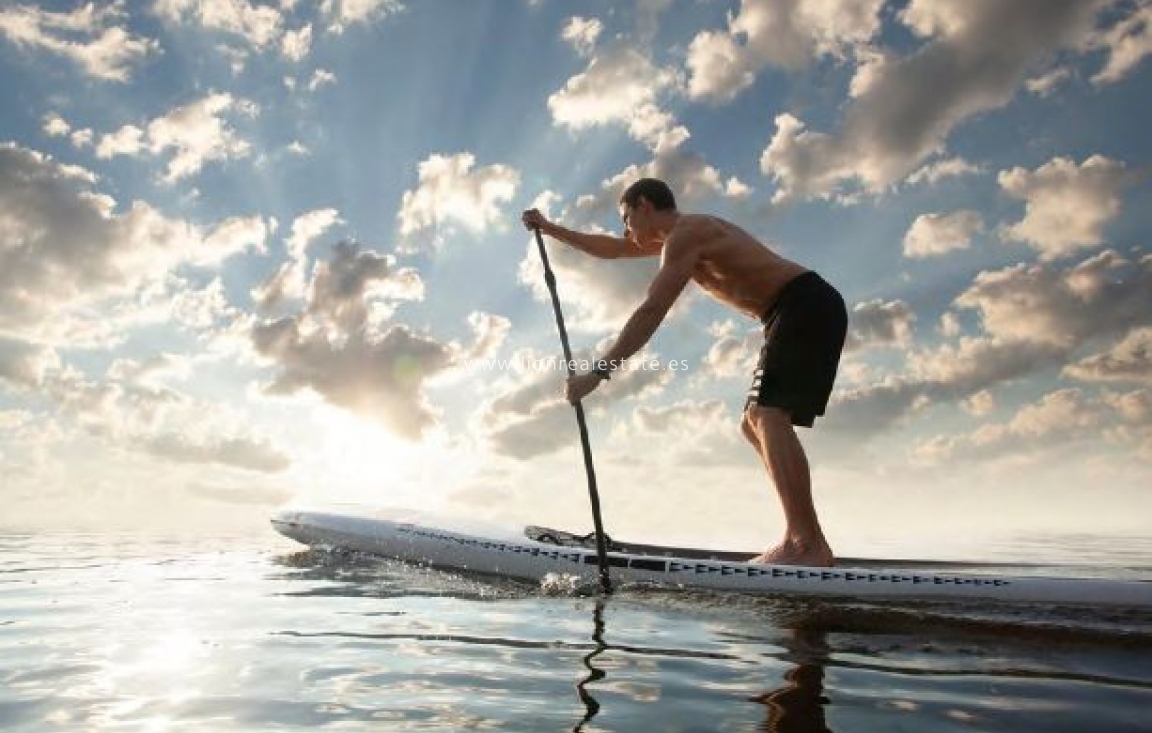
(634, 218)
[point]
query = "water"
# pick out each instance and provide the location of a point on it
(119, 633)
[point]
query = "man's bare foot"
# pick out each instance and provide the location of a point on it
(796, 552)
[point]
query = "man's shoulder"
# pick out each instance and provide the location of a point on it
(695, 230)
(687, 225)
(693, 221)
(702, 224)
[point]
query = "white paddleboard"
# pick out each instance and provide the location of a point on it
(535, 552)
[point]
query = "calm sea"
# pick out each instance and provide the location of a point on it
(123, 633)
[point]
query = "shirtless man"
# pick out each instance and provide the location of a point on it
(804, 327)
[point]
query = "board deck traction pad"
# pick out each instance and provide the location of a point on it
(542, 550)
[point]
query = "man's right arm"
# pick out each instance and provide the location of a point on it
(598, 245)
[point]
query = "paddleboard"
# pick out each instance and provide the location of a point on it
(532, 553)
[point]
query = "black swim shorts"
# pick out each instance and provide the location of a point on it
(804, 333)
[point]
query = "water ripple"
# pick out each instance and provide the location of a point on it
(166, 636)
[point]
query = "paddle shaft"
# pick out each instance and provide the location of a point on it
(593, 494)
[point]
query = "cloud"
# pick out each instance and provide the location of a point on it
(344, 13)
(597, 295)
(621, 86)
(66, 246)
(1066, 206)
(320, 78)
(87, 36)
(1058, 420)
(1059, 417)
(582, 33)
(1047, 84)
(685, 416)
(55, 125)
(548, 427)
(450, 192)
(288, 282)
(379, 377)
(489, 330)
(201, 308)
(1100, 297)
(237, 452)
(980, 404)
(879, 323)
(131, 409)
(733, 352)
(937, 234)
(347, 291)
(308, 227)
(341, 348)
(937, 171)
(296, 44)
(128, 140)
(975, 56)
(234, 234)
(1131, 427)
(1127, 42)
(259, 25)
(789, 34)
(1133, 407)
(24, 364)
(191, 136)
(1035, 319)
(530, 418)
(262, 26)
(1129, 360)
(691, 433)
(150, 372)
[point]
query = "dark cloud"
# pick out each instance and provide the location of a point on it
(65, 244)
(879, 323)
(337, 349)
(24, 364)
(977, 54)
(1130, 360)
(1036, 318)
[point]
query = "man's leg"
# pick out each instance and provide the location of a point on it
(770, 431)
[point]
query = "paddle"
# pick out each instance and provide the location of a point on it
(593, 495)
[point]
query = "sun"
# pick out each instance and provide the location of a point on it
(359, 460)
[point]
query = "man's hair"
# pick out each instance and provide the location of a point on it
(653, 189)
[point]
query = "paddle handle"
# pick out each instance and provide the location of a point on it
(593, 494)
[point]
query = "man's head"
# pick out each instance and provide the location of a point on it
(641, 207)
(653, 189)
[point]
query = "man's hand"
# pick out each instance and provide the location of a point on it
(533, 219)
(581, 386)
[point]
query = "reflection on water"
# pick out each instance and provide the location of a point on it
(798, 705)
(795, 707)
(591, 706)
(116, 634)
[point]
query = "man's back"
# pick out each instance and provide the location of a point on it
(733, 266)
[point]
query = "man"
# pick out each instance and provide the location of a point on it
(804, 326)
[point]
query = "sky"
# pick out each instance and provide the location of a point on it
(264, 252)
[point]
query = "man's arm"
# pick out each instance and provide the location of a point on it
(680, 257)
(598, 245)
